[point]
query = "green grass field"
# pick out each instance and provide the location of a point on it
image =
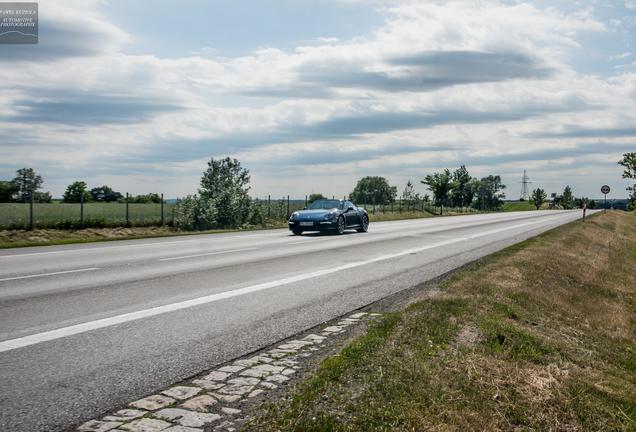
(518, 206)
(61, 215)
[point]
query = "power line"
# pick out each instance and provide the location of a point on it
(525, 181)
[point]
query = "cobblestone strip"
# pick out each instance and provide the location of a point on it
(213, 399)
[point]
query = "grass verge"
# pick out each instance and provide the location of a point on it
(540, 336)
(49, 237)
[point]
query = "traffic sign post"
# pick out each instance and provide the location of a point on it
(605, 190)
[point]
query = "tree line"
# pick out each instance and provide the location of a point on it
(27, 183)
(223, 199)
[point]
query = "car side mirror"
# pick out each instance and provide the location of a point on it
(350, 208)
(304, 208)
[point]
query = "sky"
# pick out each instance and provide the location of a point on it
(312, 95)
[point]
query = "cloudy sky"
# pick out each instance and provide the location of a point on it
(311, 95)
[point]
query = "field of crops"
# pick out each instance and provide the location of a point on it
(62, 215)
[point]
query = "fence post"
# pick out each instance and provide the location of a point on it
(82, 210)
(287, 206)
(269, 208)
(161, 209)
(400, 206)
(127, 218)
(174, 209)
(31, 211)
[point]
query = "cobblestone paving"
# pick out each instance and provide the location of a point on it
(214, 399)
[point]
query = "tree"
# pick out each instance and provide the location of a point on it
(104, 194)
(490, 193)
(629, 163)
(7, 191)
(567, 199)
(409, 196)
(146, 199)
(440, 185)
(584, 202)
(538, 197)
(315, 197)
(42, 197)
(26, 182)
(75, 191)
(373, 190)
(462, 188)
(225, 186)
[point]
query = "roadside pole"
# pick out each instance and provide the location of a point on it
(31, 211)
(584, 210)
(287, 206)
(306, 200)
(269, 199)
(82, 210)
(161, 209)
(127, 218)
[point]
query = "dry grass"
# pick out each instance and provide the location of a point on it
(541, 336)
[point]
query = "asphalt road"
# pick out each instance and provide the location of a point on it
(87, 328)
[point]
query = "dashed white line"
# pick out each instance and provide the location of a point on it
(50, 274)
(25, 341)
(206, 254)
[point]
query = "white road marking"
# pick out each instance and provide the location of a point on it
(206, 254)
(50, 274)
(25, 341)
(309, 240)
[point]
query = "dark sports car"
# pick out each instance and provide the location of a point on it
(329, 215)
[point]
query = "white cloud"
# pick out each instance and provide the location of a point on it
(355, 96)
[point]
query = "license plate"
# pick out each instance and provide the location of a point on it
(306, 224)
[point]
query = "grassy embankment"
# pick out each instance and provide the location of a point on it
(510, 206)
(541, 336)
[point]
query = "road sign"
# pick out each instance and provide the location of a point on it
(605, 189)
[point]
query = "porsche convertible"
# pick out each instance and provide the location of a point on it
(329, 215)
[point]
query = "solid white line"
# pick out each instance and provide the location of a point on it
(206, 254)
(50, 274)
(25, 341)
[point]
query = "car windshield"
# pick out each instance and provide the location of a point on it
(325, 204)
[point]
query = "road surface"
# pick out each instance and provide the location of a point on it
(88, 328)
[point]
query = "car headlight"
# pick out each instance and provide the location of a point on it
(293, 216)
(330, 216)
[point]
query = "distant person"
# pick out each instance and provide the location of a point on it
(584, 210)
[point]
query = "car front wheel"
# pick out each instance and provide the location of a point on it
(297, 232)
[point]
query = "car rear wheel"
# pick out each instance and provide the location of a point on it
(365, 224)
(341, 225)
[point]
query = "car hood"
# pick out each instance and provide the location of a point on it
(313, 214)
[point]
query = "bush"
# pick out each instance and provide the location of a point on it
(195, 213)
(257, 214)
